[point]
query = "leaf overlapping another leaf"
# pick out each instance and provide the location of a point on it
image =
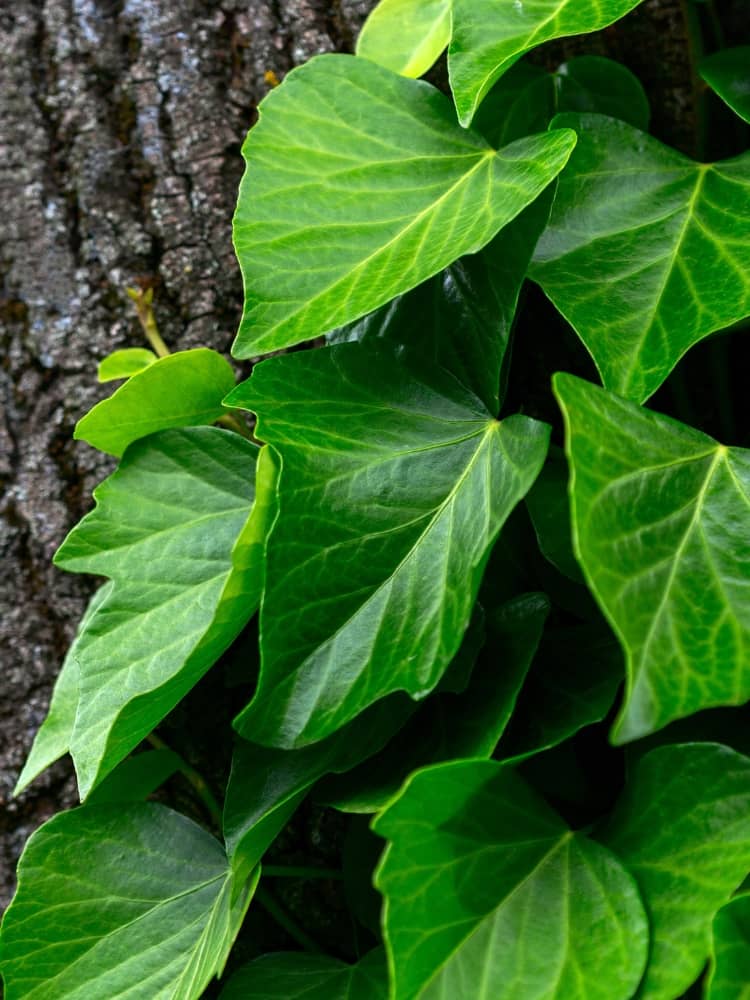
(295, 976)
(729, 975)
(728, 73)
(406, 36)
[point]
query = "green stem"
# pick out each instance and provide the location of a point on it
(235, 424)
(285, 920)
(196, 779)
(143, 301)
(290, 871)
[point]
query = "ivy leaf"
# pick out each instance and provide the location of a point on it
(124, 363)
(603, 86)
(394, 485)
(682, 828)
(728, 73)
(359, 186)
(117, 901)
(406, 36)
(449, 726)
(473, 856)
(176, 531)
(549, 509)
(489, 36)
(296, 976)
(136, 777)
(181, 390)
(660, 516)
(729, 974)
(646, 269)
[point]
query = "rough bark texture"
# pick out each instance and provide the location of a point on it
(120, 129)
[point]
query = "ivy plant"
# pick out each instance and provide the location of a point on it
(469, 556)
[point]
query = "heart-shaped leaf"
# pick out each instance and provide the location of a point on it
(644, 269)
(359, 186)
(295, 976)
(475, 856)
(660, 524)
(406, 36)
(490, 35)
(394, 485)
(728, 73)
(729, 975)
(682, 828)
(181, 390)
(176, 530)
(116, 902)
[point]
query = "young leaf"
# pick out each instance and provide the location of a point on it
(117, 901)
(296, 976)
(124, 363)
(729, 974)
(394, 486)
(660, 525)
(728, 73)
(406, 36)
(488, 893)
(682, 828)
(176, 531)
(181, 390)
(646, 269)
(359, 186)
(489, 36)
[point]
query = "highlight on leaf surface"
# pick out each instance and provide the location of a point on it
(406, 36)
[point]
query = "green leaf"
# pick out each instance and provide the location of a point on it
(595, 84)
(117, 901)
(448, 726)
(644, 269)
(729, 975)
(135, 778)
(296, 976)
(461, 319)
(181, 390)
(660, 516)
(489, 36)
(394, 486)
(549, 509)
(474, 857)
(682, 828)
(123, 364)
(406, 36)
(728, 73)
(359, 186)
(173, 530)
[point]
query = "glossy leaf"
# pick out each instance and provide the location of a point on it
(646, 269)
(729, 976)
(728, 73)
(173, 530)
(490, 35)
(683, 830)
(116, 902)
(296, 976)
(394, 485)
(473, 856)
(182, 390)
(406, 36)
(359, 186)
(660, 524)
(124, 363)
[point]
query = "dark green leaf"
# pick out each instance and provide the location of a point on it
(136, 777)
(474, 857)
(660, 524)
(359, 186)
(591, 83)
(406, 36)
(295, 976)
(549, 508)
(394, 486)
(120, 902)
(124, 363)
(729, 976)
(644, 269)
(182, 390)
(683, 829)
(728, 73)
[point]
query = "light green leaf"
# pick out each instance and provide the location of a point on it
(488, 893)
(729, 975)
(117, 901)
(124, 363)
(406, 36)
(682, 828)
(296, 976)
(644, 269)
(359, 186)
(490, 35)
(181, 390)
(728, 73)
(394, 485)
(174, 531)
(660, 524)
